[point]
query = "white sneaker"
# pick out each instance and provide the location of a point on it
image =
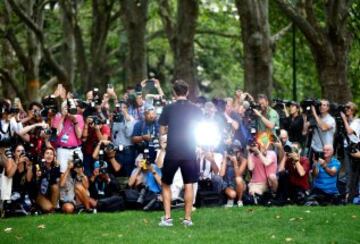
(166, 222)
(187, 223)
(229, 204)
(240, 204)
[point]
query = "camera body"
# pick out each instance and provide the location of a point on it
(318, 155)
(290, 149)
(50, 104)
(78, 163)
(354, 147)
(307, 103)
(72, 108)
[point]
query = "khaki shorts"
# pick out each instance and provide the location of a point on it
(258, 188)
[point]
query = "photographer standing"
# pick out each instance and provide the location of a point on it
(146, 133)
(294, 123)
(178, 120)
(352, 164)
(268, 118)
(122, 129)
(293, 173)
(92, 134)
(324, 130)
(69, 132)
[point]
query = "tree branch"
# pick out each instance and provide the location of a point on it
(9, 79)
(280, 34)
(58, 69)
(217, 33)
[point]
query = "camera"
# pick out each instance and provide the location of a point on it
(96, 120)
(103, 167)
(50, 104)
(290, 149)
(110, 147)
(318, 155)
(354, 147)
(8, 153)
(118, 115)
(96, 96)
(306, 105)
(78, 163)
(71, 104)
(233, 148)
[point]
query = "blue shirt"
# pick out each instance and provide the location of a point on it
(326, 182)
(149, 179)
(143, 128)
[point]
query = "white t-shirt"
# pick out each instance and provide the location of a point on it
(14, 127)
(355, 126)
(205, 165)
(327, 137)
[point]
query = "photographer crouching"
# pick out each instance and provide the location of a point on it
(46, 179)
(104, 188)
(74, 186)
(146, 179)
(293, 176)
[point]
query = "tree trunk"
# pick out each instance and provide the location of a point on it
(256, 37)
(329, 44)
(333, 73)
(68, 47)
(134, 17)
(180, 35)
(32, 78)
(187, 13)
(99, 32)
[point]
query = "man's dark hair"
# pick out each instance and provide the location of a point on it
(180, 88)
(37, 104)
(262, 96)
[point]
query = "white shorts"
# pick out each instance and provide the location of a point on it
(64, 155)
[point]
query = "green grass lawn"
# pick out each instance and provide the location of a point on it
(211, 225)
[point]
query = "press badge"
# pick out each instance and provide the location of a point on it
(64, 138)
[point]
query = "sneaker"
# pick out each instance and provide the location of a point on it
(166, 222)
(187, 223)
(229, 204)
(240, 204)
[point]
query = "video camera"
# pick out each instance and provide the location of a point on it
(307, 103)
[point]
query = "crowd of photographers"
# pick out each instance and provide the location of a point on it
(104, 153)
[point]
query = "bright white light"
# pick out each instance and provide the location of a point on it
(207, 134)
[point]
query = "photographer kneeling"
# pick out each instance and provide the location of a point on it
(293, 176)
(104, 188)
(325, 171)
(146, 179)
(47, 177)
(74, 186)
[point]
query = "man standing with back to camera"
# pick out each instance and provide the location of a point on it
(179, 120)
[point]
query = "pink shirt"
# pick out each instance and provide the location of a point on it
(69, 130)
(261, 172)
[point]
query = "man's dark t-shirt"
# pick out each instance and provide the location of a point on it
(181, 118)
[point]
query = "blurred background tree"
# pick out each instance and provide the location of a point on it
(214, 44)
